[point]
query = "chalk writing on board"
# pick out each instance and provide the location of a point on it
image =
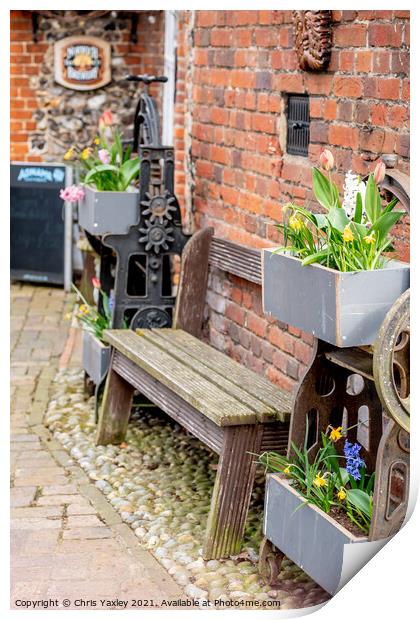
(32, 174)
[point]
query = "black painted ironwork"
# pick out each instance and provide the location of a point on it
(146, 116)
(298, 125)
(143, 287)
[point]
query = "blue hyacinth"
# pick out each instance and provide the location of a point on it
(354, 461)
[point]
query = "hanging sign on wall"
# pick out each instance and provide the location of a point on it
(82, 63)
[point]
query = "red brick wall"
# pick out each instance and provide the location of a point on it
(243, 66)
(145, 56)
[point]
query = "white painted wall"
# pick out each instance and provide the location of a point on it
(168, 107)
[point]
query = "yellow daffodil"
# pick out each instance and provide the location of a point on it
(84, 309)
(86, 153)
(336, 433)
(69, 154)
(370, 238)
(341, 494)
(347, 234)
(295, 223)
(286, 470)
(96, 141)
(319, 481)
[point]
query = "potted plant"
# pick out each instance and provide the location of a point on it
(332, 277)
(96, 354)
(107, 200)
(314, 508)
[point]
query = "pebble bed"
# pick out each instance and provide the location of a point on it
(160, 481)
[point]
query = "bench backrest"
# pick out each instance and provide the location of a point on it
(202, 250)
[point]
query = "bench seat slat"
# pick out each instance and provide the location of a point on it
(253, 384)
(229, 384)
(207, 398)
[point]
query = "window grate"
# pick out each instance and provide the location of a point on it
(298, 125)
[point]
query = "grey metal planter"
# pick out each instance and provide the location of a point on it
(306, 535)
(344, 309)
(102, 213)
(95, 357)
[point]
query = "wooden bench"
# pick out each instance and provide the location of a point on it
(232, 410)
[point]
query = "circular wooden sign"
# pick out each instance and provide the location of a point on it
(82, 63)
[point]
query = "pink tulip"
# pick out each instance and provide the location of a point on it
(106, 119)
(72, 193)
(104, 156)
(327, 160)
(96, 283)
(379, 172)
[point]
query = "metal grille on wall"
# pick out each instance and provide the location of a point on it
(298, 125)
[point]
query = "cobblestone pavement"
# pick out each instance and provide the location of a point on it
(67, 540)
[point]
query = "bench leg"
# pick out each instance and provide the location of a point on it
(115, 410)
(232, 491)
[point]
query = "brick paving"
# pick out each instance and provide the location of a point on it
(67, 542)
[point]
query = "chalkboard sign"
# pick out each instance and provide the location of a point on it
(37, 224)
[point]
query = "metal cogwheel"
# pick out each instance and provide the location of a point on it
(149, 318)
(159, 207)
(391, 362)
(157, 236)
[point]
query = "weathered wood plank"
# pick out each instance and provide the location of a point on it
(257, 386)
(115, 410)
(203, 395)
(232, 491)
(237, 259)
(192, 420)
(229, 384)
(191, 296)
(357, 360)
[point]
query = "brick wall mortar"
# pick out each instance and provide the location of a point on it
(243, 66)
(37, 102)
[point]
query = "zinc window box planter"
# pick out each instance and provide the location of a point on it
(102, 213)
(345, 309)
(306, 535)
(95, 357)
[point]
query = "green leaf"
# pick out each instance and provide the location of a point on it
(317, 257)
(129, 170)
(337, 218)
(359, 229)
(359, 208)
(320, 220)
(360, 500)
(127, 153)
(371, 200)
(386, 221)
(390, 205)
(323, 189)
(344, 475)
(101, 168)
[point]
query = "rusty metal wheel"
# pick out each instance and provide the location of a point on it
(391, 362)
(269, 564)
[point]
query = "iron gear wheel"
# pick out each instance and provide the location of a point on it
(156, 236)
(159, 208)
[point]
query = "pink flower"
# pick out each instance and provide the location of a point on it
(106, 119)
(379, 172)
(96, 283)
(327, 160)
(104, 156)
(72, 193)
